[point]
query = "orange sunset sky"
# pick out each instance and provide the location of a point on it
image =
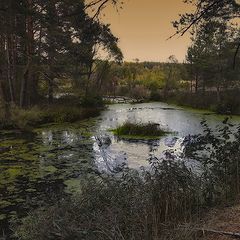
(143, 27)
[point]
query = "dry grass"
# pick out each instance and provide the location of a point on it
(226, 219)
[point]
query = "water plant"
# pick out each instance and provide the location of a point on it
(139, 131)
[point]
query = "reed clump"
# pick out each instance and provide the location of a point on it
(139, 130)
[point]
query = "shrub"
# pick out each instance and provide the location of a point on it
(227, 104)
(25, 119)
(14, 117)
(60, 114)
(219, 154)
(22, 118)
(156, 95)
(92, 101)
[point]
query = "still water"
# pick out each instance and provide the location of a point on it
(38, 167)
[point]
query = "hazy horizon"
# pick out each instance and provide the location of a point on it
(143, 28)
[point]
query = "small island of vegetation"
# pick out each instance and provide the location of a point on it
(147, 131)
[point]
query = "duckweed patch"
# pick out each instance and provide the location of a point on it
(50, 169)
(73, 186)
(4, 204)
(33, 167)
(3, 216)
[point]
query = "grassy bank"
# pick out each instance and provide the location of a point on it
(138, 205)
(13, 117)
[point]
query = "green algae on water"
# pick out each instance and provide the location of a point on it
(73, 186)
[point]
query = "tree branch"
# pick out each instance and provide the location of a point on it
(194, 21)
(102, 5)
(199, 17)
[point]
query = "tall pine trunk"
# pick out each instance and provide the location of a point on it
(10, 67)
(27, 86)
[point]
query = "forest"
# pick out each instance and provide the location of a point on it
(53, 50)
(94, 146)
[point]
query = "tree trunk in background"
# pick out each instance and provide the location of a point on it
(196, 83)
(50, 88)
(218, 94)
(88, 79)
(10, 23)
(11, 68)
(28, 83)
(3, 96)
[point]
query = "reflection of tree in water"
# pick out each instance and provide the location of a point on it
(153, 147)
(172, 151)
(105, 160)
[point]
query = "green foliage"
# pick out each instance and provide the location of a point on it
(218, 152)
(92, 101)
(211, 57)
(61, 114)
(14, 117)
(21, 118)
(138, 130)
(154, 79)
(156, 95)
(228, 104)
(25, 119)
(139, 79)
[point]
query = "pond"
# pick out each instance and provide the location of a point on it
(37, 168)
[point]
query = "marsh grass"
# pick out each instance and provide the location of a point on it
(136, 205)
(13, 117)
(139, 131)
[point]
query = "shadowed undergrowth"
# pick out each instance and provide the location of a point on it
(136, 205)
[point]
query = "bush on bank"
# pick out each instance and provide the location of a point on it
(63, 110)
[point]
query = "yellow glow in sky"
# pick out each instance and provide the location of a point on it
(143, 27)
